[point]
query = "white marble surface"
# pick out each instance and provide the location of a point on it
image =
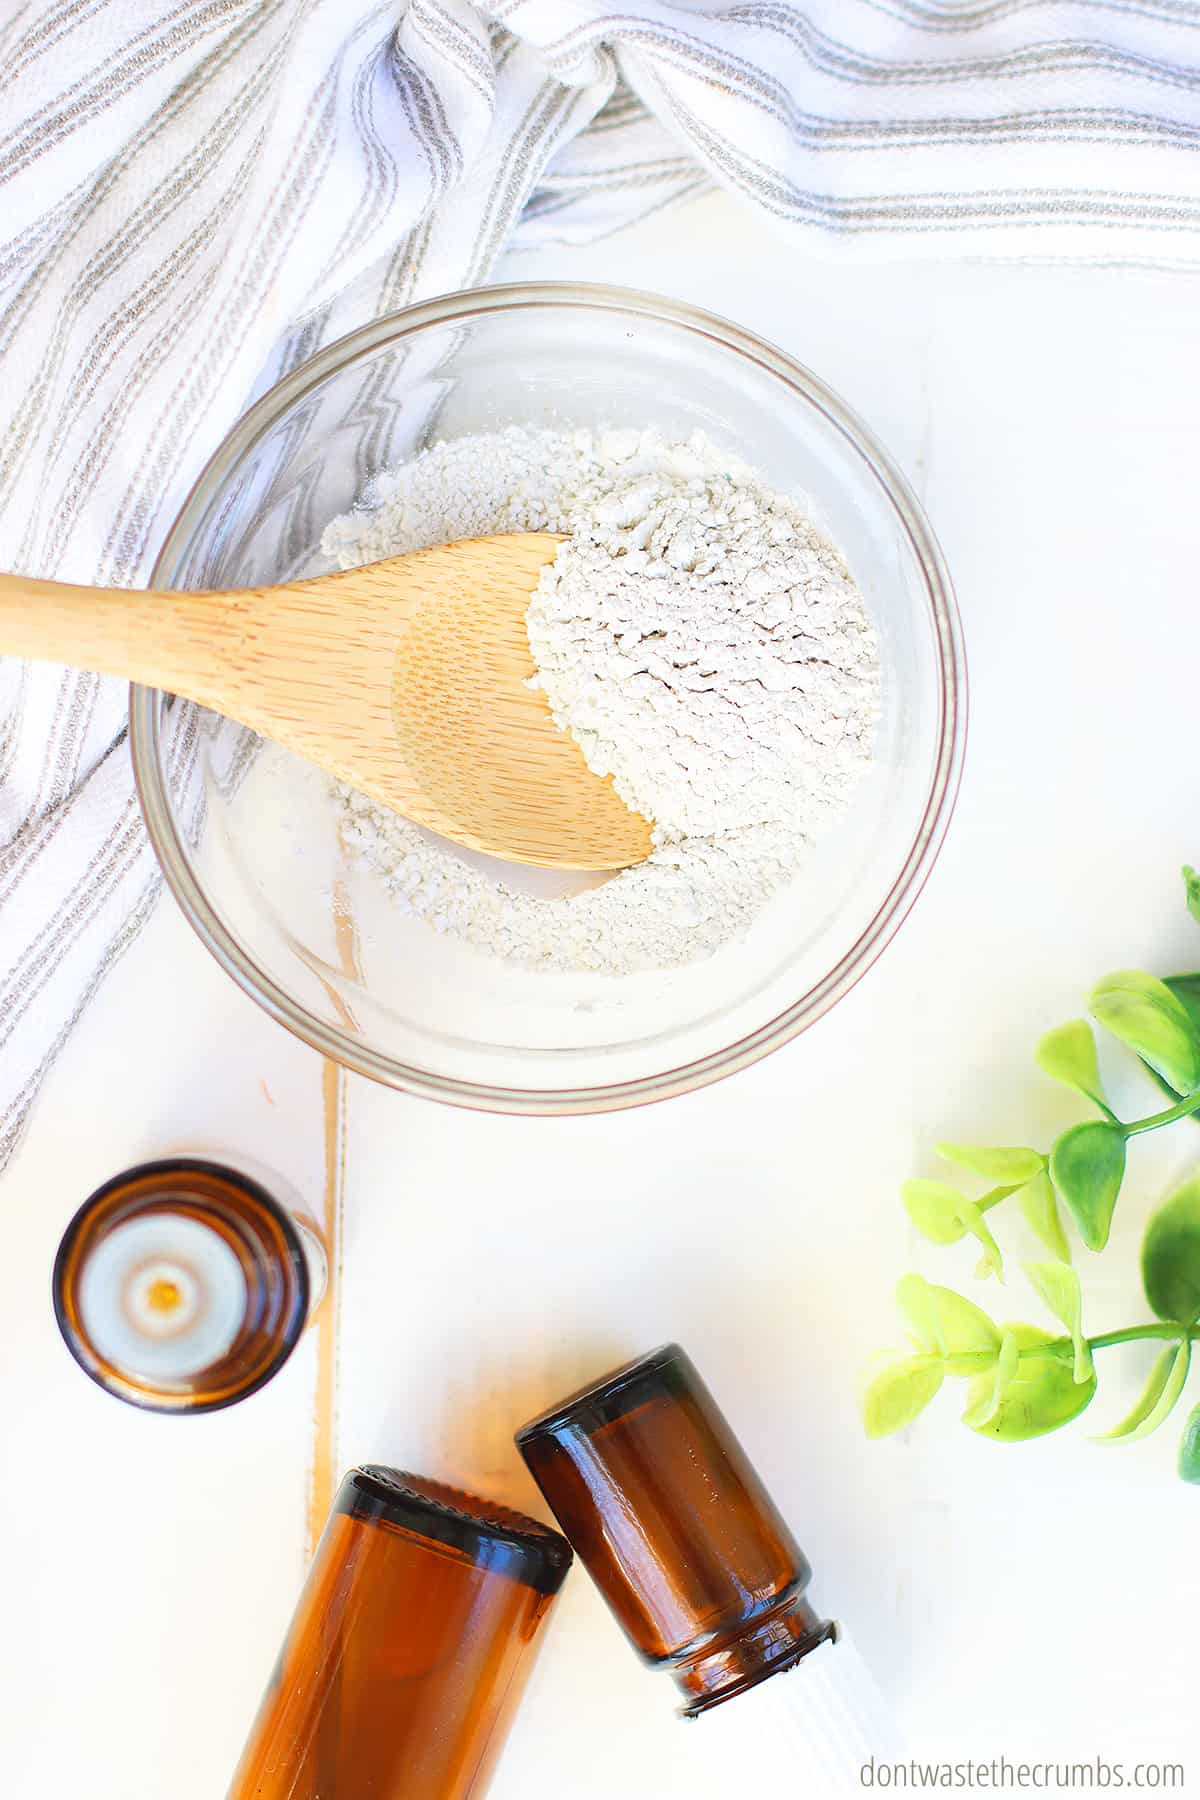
(1026, 1601)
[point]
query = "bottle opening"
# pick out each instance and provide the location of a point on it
(162, 1297)
(182, 1285)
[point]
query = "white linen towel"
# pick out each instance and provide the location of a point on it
(197, 194)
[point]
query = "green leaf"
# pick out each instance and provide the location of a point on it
(991, 1262)
(1042, 1396)
(933, 1208)
(1186, 989)
(995, 1195)
(1191, 885)
(1040, 1207)
(1087, 1165)
(1011, 1166)
(1175, 1385)
(1143, 1013)
(899, 1392)
(943, 1321)
(1068, 1054)
(1003, 1376)
(1162, 1390)
(1057, 1285)
(1171, 1256)
(944, 1215)
(1189, 1449)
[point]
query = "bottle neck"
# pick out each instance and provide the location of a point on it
(772, 1643)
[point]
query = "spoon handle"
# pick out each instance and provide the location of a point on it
(180, 641)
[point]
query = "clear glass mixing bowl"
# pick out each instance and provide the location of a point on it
(250, 844)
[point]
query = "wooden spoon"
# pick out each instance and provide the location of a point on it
(405, 679)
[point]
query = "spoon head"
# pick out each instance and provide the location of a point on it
(427, 707)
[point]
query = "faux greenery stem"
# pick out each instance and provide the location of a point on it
(1182, 1111)
(1132, 1333)
(973, 1362)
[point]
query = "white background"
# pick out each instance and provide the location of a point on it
(1036, 1600)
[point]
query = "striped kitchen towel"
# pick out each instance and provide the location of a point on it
(197, 194)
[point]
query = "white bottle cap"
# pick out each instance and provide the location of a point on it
(816, 1724)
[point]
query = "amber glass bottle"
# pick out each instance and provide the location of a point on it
(647, 1479)
(183, 1285)
(409, 1648)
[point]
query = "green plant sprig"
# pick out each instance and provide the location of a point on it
(1026, 1381)
(1085, 1166)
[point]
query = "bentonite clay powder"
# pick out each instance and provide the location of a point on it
(697, 635)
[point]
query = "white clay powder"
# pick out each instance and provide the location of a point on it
(697, 635)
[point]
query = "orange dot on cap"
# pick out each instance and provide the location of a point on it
(163, 1296)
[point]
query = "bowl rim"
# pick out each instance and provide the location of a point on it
(945, 777)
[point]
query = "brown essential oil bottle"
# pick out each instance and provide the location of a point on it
(666, 1513)
(408, 1650)
(183, 1285)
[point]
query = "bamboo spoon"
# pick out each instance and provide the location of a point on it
(405, 679)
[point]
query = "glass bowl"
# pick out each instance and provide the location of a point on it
(250, 843)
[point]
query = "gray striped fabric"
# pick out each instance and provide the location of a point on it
(197, 194)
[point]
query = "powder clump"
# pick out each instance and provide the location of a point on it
(699, 637)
